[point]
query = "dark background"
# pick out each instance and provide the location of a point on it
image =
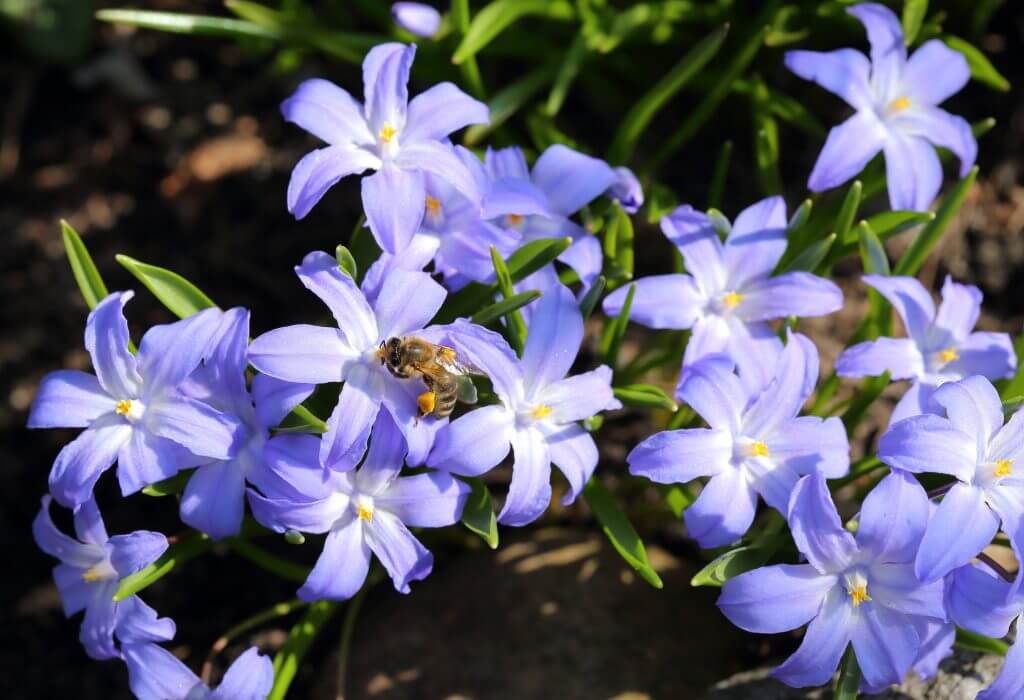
(171, 149)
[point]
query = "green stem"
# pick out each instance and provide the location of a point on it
(269, 562)
(271, 613)
(287, 660)
(348, 627)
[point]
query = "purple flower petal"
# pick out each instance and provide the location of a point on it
(847, 150)
(214, 500)
(394, 201)
(474, 443)
(135, 551)
(320, 170)
(106, 339)
(89, 525)
(843, 72)
(627, 190)
(942, 129)
(885, 643)
(680, 456)
(901, 357)
(250, 677)
(828, 635)
(791, 294)
(692, 233)
(989, 354)
(353, 415)
(490, 352)
(795, 376)
(416, 18)
(574, 452)
(97, 631)
(817, 530)
(973, 407)
(386, 85)
(385, 458)
(757, 241)
(960, 308)
(888, 53)
(774, 599)
(935, 73)
(80, 462)
(294, 471)
(170, 352)
(554, 338)
(146, 459)
(320, 274)
(580, 396)
(195, 426)
(520, 197)
(910, 299)
(929, 444)
(774, 480)
(723, 511)
(936, 644)
(402, 555)
(302, 354)
(913, 172)
(756, 348)
(571, 179)
(893, 518)
(440, 159)
(1009, 684)
(55, 543)
(915, 402)
(275, 399)
(530, 491)
(712, 389)
(313, 516)
(434, 499)
(660, 301)
(328, 112)
(439, 111)
(586, 259)
(407, 302)
(69, 398)
(976, 599)
(896, 587)
(1008, 442)
(156, 674)
(961, 526)
(75, 592)
(506, 163)
(808, 443)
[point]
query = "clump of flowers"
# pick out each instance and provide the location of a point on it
(462, 349)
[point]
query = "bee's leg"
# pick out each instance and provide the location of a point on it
(426, 401)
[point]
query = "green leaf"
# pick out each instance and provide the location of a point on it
(82, 267)
(800, 216)
(493, 19)
(618, 240)
(169, 487)
(848, 211)
(811, 256)
(719, 175)
(848, 683)
(639, 117)
(619, 530)
(735, 562)
(190, 24)
(679, 498)
(177, 554)
(571, 64)
(593, 295)
(872, 252)
(766, 141)
(478, 514)
(913, 15)
(977, 642)
(288, 659)
(645, 396)
(869, 390)
(615, 329)
(703, 111)
(172, 290)
(460, 17)
(507, 102)
(514, 321)
(504, 307)
(982, 69)
(346, 262)
(301, 420)
(912, 260)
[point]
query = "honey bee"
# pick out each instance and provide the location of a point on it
(446, 377)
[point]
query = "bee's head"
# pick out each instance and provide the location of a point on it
(393, 352)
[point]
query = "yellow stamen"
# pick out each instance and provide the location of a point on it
(949, 355)
(365, 512)
(91, 576)
(387, 132)
(899, 104)
(514, 219)
(541, 411)
(859, 594)
(433, 206)
(1003, 467)
(759, 449)
(732, 299)
(123, 408)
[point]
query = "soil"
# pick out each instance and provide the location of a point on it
(171, 149)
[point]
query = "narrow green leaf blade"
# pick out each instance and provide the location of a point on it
(478, 515)
(976, 642)
(848, 212)
(177, 554)
(505, 307)
(508, 101)
(615, 329)
(982, 69)
(848, 683)
(645, 396)
(912, 260)
(812, 256)
(346, 262)
(287, 660)
(913, 15)
(731, 564)
(175, 292)
(189, 24)
(620, 531)
(719, 175)
(82, 267)
(493, 19)
(593, 295)
(872, 252)
(169, 487)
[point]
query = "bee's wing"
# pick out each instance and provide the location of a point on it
(448, 359)
(465, 389)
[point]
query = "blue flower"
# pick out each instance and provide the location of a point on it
(896, 100)
(540, 409)
(400, 139)
(131, 410)
(627, 191)
(972, 444)
(417, 18)
(91, 568)
(861, 590)
(362, 512)
(213, 501)
(755, 445)
(941, 346)
(730, 293)
(350, 354)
